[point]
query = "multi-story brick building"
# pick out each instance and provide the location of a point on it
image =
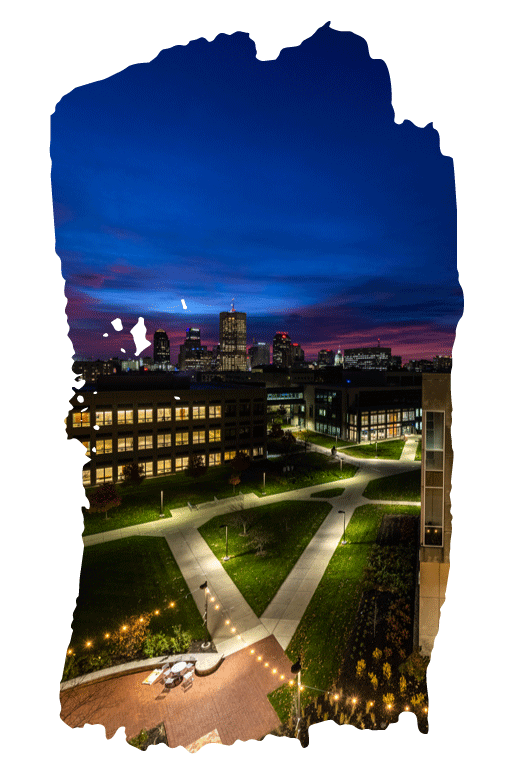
(159, 421)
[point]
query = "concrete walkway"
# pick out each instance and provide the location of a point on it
(409, 451)
(197, 562)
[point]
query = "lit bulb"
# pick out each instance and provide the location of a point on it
(282, 677)
(88, 644)
(157, 612)
(124, 628)
(354, 701)
(171, 605)
(274, 671)
(266, 663)
(107, 636)
(228, 621)
(233, 629)
(336, 696)
(259, 658)
(252, 650)
(70, 651)
(217, 607)
(291, 682)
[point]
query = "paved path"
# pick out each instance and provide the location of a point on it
(409, 451)
(197, 562)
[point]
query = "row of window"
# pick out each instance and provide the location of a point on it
(165, 466)
(433, 500)
(145, 415)
(146, 442)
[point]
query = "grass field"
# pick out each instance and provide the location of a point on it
(142, 504)
(125, 578)
(326, 441)
(418, 452)
(391, 449)
(290, 526)
(403, 487)
(322, 634)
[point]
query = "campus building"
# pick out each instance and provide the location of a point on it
(160, 420)
(363, 406)
(436, 519)
(368, 358)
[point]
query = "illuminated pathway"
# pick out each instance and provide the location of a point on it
(197, 562)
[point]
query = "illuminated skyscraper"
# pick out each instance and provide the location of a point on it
(161, 347)
(282, 350)
(233, 340)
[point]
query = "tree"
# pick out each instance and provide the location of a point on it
(276, 431)
(196, 466)
(133, 474)
(240, 463)
(234, 480)
(242, 519)
(261, 539)
(305, 435)
(104, 498)
(288, 440)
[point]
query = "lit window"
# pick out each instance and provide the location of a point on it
(228, 455)
(86, 476)
(214, 435)
(181, 438)
(164, 466)
(87, 446)
(215, 411)
(199, 436)
(103, 474)
(257, 450)
(182, 414)
(181, 463)
(104, 446)
(82, 419)
(103, 418)
(125, 443)
(164, 439)
(144, 415)
(198, 412)
(125, 416)
(214, 459)
(164, 413)
(147, 468)
(145, 442)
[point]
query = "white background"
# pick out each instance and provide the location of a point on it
(447, 63)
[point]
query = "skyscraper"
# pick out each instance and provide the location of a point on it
(193, 355)
(161, 347)
(233, 340)
(282, 350)
(259, 354)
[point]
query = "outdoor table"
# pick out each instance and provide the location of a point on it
(178, 667)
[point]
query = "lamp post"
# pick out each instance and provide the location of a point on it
(342, 512)
(161, 503)
(264, 493)
(224, 525)
(295, 670)
(206, 643)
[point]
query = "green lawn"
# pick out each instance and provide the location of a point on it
(329, 493)
(385, 450)
(418, 452)
(326, 441)
(403, 487)
(142, 504)
(127, 577)
(325, 627)
(290, 524)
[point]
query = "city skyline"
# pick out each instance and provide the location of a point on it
(207, 174)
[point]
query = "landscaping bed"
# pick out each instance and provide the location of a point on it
(145, 739)
(323, 635)
(130, 583)
(288, 527)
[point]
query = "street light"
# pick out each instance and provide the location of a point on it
(224, 525)
(342, 512)
(295, 670)
(206, 643)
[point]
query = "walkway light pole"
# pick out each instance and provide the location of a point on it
(295, 670)
(161, 503)
(342, 512)
(206, 643)
(224, 525)
(264, 493)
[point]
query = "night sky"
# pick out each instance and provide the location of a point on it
(207, 175)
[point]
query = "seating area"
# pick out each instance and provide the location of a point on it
(180, 673)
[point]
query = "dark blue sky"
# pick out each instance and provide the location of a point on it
(206, 175)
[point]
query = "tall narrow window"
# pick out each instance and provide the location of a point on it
(433, 507)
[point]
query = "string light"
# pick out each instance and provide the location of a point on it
(228, 621)
(70, 651)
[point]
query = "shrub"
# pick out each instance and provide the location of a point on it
(180, 641)
(360, 667)
(140, 740)
(156, 644)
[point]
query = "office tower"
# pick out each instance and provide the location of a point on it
(282, 350)
(161, 347)
(193, 355)
(338, 358)
(259, 354)
(368, 358)
(325, 357)
(297, 355)
(233, 340)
